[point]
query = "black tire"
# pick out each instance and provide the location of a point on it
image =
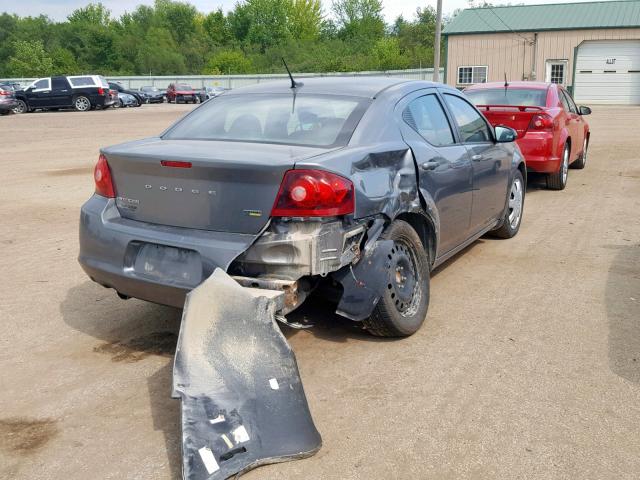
(558, 180)
(404, 304)
(515, 207)
(581, 162)
(22, 107)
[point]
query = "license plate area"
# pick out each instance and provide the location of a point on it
(164, 264)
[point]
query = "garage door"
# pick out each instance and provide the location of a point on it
(608, 72)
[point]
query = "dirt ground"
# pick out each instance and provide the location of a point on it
(528, 365)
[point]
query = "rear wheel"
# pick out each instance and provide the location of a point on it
(513, 214)
(582, 161)
(558, 180)
(22, 107)
(82, 103)
(404, 303)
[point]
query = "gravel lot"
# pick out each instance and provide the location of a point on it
(528, 365)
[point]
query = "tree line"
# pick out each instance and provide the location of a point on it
(174, 38)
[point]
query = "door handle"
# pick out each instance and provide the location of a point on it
(476, 158)
(430, 165)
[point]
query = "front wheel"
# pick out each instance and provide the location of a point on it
(558, 180)
(403, 305)
(515, 205)
(82, 104)
(582, 161)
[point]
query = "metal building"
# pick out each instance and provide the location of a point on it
(592, 48)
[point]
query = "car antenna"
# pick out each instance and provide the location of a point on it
(294, 84)
(506, 84)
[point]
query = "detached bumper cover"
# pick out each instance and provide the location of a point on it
(242, 401)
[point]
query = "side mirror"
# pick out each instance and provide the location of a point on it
(505, 134)
(584, 110)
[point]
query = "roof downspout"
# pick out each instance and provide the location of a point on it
(446, 57)
(535, 54)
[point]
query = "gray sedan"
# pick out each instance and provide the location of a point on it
(355, 187)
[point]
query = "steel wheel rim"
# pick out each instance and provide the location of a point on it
(565, 166)
(82, 104)
(404, 279)
(515, 203)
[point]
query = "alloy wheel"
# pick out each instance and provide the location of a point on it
(515, 203)
(21, 107)
(82, 104)
(565, 166)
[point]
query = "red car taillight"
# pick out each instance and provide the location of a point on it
(541, 122)
(100, 91)
(102, 177)
(313, 193)
(4, 92)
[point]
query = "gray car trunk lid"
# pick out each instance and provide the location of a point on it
(230, 186)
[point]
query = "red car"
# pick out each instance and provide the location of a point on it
(552, 131)
(181, 92)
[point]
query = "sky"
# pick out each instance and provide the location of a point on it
(59, 9)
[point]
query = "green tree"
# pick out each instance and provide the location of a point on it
(158, 54)
(228, 62)
(93, 13)
(305, 19)
(387, 55)
(29, 59)
(64, 62)
(216, 27)
(359, 19)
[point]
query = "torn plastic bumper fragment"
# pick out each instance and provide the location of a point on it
(243, 404)
(365, 282)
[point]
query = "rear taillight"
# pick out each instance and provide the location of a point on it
(313, 193)
(100, 91)
(102, 177)
(4, 92)
(541, 122)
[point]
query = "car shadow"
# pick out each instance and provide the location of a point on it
(130, 331)
(622, 301)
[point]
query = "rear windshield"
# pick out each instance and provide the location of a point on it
(308, 120)
(529, 97)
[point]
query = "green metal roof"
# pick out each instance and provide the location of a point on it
(556, 16)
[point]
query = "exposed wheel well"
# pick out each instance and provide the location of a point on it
(425, 231)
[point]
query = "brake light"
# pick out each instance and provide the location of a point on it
(541, 122)
(175, 164)
(4, 92)
(100, 91)
(102, 177)
(313, 193)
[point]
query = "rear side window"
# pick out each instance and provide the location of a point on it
(308, 120)
(528, 97)
(82, 81)
(426, 116)
(59, 83)
(473, 128)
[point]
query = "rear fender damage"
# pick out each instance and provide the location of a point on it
(242, 400)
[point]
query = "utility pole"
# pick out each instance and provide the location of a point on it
(436, 44)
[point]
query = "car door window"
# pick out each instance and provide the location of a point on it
(564, 101)
(426, 116)
(42, 84)
(58, 83)
(473, 128)
(570, 105)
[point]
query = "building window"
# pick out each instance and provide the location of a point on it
(469, 75)
(556, 71)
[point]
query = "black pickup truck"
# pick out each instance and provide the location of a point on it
(82, 92)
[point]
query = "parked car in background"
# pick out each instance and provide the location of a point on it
(136, 94)
(213, 92)
(181, 92)
(552, 131)
(7, 100)
(82, 92)
(126, 100)
(393, 176)
(13, 86)
(152, 94)
(201, 94)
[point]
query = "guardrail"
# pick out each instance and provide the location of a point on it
(235, 81)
